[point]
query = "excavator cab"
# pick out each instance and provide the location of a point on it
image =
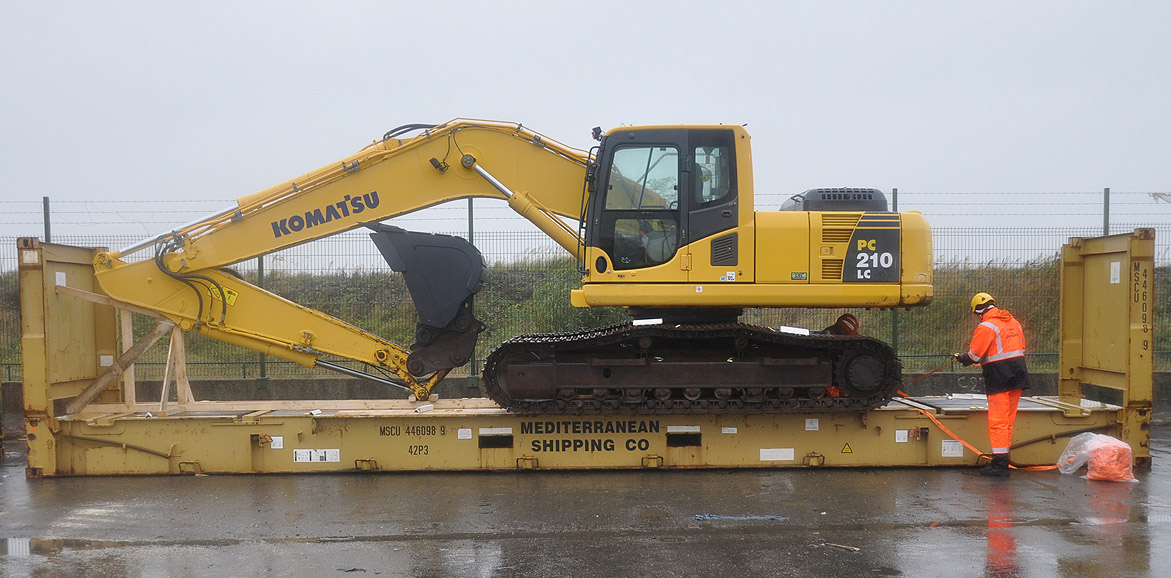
(671, 229)
(655, 191)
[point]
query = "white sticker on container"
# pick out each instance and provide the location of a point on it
(463, 433)
(776, 454)
(495, 431)
(18, 547)
(1115, 272)
(105, 360)
(952, 449)
(29, 257)
(682, 429)
(728, 430)
(331, 455)
(277, 443)
(811, 424)
(60, 277)
(901, 436)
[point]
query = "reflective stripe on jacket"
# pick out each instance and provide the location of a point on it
(998, 337)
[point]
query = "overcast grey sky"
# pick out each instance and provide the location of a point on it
(215, 100)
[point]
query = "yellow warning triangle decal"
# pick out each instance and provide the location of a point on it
(846, 449)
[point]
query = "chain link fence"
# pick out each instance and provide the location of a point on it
(529, 277)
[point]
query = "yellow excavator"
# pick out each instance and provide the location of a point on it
(662, 222)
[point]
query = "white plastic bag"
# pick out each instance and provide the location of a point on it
(1106, 458)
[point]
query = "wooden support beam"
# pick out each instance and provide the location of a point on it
(182, 385)
(129, 391)
(165, 389)
(361, 407)
(176, 370)
(104, 380)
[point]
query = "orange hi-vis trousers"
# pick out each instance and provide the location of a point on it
(1001, 415)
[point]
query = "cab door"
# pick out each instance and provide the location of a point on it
(638, 218)
(713, 207)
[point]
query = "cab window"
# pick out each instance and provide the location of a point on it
(713, 174)
(644, 178)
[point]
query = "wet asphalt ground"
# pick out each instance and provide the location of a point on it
(809, 522)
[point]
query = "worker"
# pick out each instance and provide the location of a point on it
(998, 346)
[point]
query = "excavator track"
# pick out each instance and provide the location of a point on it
(680, 369)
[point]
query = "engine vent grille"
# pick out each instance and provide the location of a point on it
(831, 269)
(724, 251)
(838, 227)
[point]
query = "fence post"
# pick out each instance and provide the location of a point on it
(1106, 211)
(262, 380)
(894, 313)
(473, 382)
(48, 237)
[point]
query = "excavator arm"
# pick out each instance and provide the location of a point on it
(185, 280)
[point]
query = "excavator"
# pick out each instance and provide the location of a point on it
(661, 221)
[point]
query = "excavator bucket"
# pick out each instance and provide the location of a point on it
(442, 273)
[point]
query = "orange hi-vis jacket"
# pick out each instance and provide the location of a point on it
(998, 345)
(998, 337)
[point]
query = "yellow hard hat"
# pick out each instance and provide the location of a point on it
(981, 299)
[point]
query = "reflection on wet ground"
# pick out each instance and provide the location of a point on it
(879, 522)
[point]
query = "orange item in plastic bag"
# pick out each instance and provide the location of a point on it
(1106, 459)
(1110, 463)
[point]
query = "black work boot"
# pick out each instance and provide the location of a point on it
(997, 468)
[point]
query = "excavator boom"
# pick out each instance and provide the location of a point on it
(391, 177)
